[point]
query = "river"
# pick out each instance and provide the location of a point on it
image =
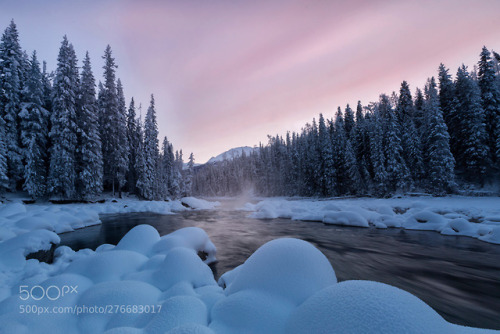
(458, 276)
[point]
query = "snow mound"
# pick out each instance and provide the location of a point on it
(140, 239)
(199, 204)
(288, 268)
(345, 218)
(365, 307)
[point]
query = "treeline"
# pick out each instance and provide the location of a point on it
(59, 140)
(447, 134)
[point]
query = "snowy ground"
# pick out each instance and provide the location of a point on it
(477, 217)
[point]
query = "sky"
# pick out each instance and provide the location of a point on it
(226, 73)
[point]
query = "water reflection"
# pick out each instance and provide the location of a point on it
(458, 276)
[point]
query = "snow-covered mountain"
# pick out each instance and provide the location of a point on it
(232, 153)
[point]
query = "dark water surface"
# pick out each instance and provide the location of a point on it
(458, 276)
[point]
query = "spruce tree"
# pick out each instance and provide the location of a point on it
(34, 124)
(398, 175)
(63, 134)
(112, 127)
(11, 76)
(140, 162)
(470, 128)
(410, 138)
(90, 169)
(348, 121)
(121, 152)
(327, 176)
(151, 153)
(490, 94)
(448, 102)
(377, 156)
(133, 140)
(440, 169)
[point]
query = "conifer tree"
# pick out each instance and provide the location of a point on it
(121, 151)
(448, 102)
(112, 127)
(133, 140)
(327, 177)
(410, 138)
(11, 76)
(151, 153)
(397, 172)
(34, 124)
(63, 134)
(90, 171)
(348, 121)
(470, 128)
(490, 94)
(140, 162)
(440, 169)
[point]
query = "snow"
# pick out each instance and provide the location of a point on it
(199, 204)
(233, 153)
(365, 307)
(290, 269)
(286, 286)
(476, 217)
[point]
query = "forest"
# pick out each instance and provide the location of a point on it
(444, 139)
(61, 139)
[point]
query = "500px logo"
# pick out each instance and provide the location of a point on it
(52, 292)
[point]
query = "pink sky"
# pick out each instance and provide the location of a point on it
(227, 73)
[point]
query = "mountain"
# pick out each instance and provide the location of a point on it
(232, 153)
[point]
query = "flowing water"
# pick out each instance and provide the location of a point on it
(458, 276)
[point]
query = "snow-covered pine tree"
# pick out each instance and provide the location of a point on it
(112, 127)
(63, 134)
(190, 173)
(173, 176)
(377, 156)
(133, 140)
(440, 168)
(448, 102)
(90, 169)
(419, 117)
(343, 181)
(398, 175)
(34, 124)
(140, 162)
(121, 152)
(490, 94)
(164, 169)
(471, 140)
(348, 121)
(325, 154)
(410, 138)
(151, 153)
(11, 76)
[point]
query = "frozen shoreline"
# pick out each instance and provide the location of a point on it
(477, 217)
